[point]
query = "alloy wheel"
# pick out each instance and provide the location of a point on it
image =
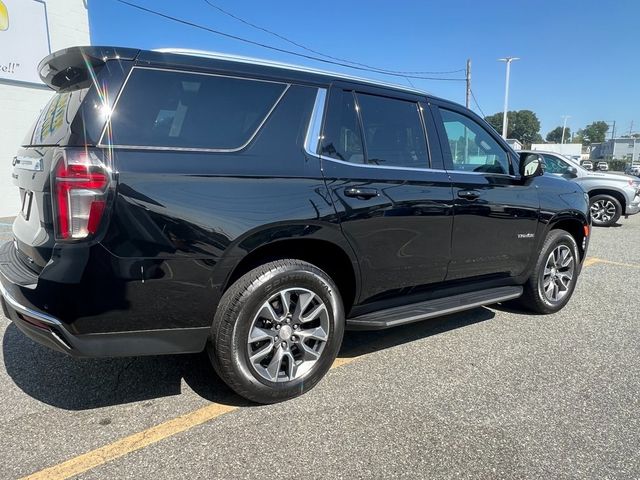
(288, 335)
(603, 210)
(558, 273)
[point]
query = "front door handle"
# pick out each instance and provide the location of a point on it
(361, 193)
(468, 194)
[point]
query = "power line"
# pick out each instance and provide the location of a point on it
(308, 49)
(282, 50)
(473, 95)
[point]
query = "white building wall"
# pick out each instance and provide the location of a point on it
(570, 149)
(20, 104)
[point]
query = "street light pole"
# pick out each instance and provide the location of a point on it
(564, 127)
(508, 61)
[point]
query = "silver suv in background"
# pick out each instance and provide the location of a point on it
(611, 195)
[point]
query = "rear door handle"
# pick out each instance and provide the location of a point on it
(361, 193)
(468, 194)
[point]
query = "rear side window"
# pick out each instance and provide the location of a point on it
(160, 108)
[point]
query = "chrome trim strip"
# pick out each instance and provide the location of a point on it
(194, 149)
(383, 167)
(315, 124)
(493, 174)
(17, 306)
(287, 66)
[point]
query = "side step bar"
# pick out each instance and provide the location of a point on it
(416, 312)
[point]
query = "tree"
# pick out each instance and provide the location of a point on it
(522, 125)
(555, 135)
(594, 133)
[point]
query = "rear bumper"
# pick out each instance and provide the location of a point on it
(52, 333)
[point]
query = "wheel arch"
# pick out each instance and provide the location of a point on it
(574, 225)
(331, 255)
(617, 194)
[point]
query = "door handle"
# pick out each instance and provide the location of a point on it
(361, 193)
(468, 194)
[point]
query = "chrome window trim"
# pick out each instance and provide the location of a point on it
(382, 167)
(190, 149)
(315, 123)
(314, 131)
(493, 174)
(286, 66)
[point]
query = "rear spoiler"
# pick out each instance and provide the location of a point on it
(70, 67)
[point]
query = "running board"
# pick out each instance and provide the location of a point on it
(416, 312)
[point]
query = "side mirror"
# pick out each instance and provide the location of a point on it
(572, 171)
(531, 165)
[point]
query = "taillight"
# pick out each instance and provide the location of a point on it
(80, 186)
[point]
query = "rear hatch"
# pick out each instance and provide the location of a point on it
(62, 174)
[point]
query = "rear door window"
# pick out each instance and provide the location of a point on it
(342, 139)
(369, 129)
(161, 108)
(393, 132)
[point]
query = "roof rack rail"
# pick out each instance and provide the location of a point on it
(287, 66)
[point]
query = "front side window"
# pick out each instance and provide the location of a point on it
(473, 149)
(160, 108)
(553, 164)
(393, 132)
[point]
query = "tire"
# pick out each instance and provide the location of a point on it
(535, 296)
(605, 210)
(286, 355)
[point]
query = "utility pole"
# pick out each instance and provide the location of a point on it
(508, 61)
(631, 128)
(613, 130)
(564, 127)
(468, 97)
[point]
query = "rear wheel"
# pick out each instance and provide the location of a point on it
(605, 210)
(277, 331)
(555, 275)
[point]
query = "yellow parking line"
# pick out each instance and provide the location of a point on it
(593, 260)
(100, 456)
(590, 261)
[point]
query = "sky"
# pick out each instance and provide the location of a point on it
(578, 58)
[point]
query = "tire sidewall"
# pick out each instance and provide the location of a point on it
(559, 238)
(615, 202)
(261, 290)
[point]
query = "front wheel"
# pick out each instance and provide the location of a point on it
(277, 331)
(605, 210)
(554, 278)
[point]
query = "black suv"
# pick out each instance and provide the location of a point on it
(174, 202)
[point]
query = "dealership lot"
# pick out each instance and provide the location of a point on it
(490, 393)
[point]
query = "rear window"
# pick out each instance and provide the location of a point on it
(160, 108)
(52, 126)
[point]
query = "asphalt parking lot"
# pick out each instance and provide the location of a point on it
(491, 393)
